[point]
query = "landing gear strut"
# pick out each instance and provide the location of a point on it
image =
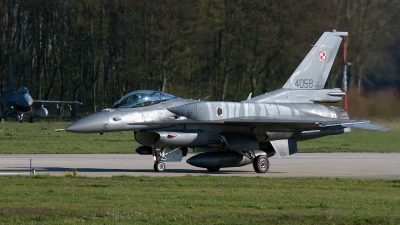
(20, 116)
(160, 156)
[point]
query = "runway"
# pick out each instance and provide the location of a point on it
(334, 165)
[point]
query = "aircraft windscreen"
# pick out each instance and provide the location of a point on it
(142, 98)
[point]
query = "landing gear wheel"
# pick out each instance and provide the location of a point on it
(213, 169)
(261, 164)
(159, 166)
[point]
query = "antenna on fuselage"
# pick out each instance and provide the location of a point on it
(249, 96)
(10, 87)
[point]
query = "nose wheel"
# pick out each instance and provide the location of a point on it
(159, 166)
(166, 154)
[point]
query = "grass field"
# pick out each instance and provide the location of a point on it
(197, 200)
(40, 137)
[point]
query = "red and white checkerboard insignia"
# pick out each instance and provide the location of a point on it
(322, 56)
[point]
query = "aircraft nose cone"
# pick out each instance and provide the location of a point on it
(25, 101)
(95, 123)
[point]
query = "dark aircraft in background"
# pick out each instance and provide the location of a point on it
(18, 103)
(233, 134)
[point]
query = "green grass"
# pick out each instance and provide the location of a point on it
(40, 137)
(197, 200)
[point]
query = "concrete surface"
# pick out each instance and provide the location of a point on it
(343, 165)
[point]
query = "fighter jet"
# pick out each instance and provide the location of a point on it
(18, 103)
(233, 134)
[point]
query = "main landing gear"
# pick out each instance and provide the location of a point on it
(214, 161)
(261, 164)
(20, 116)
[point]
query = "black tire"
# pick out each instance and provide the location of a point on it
(261, 164)
(213, 169)
(159, 166)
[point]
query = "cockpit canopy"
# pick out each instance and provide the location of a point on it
(142, 98)
(23, 90)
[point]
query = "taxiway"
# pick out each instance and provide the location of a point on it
(341, 165)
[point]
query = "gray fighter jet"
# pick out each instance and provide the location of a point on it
(233, 134)
(18, 103)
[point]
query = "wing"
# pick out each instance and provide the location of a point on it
(3, 99)
(57, 101)
(309, 122)
(6, 98)
(359, 124)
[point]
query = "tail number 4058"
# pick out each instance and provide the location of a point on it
(304, 83)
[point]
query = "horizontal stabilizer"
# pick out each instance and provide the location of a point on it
(358, 124)
(367, 126)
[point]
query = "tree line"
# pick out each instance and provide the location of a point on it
(95, 51)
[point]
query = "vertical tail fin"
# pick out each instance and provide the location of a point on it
(313, 71)
(10, 87)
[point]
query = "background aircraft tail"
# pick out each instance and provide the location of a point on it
(10, 87)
